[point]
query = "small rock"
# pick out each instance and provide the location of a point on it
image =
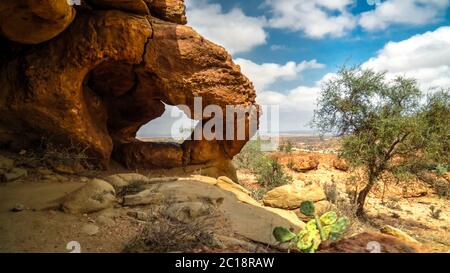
(139, 215)
(105, 221)
(22, 152)
(14, 174)
(44, 171)
(6, 163)
(447, 176)
(55, 177)
(18, 207)
(68, 169)
(96, 195)
(146, 197)
(119, 181)
(187, 211)
(90, 229)
(84, 179)
(340, 164)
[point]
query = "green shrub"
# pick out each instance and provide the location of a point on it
(286, 146)
(435, 212)
(270, 174)
(250, 156)
(441, 169)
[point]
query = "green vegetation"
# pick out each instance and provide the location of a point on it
(323, 228)
(385, 125)
(286, 146)
(435, 212)
(270, 173)
(250, 156)
(441, 169)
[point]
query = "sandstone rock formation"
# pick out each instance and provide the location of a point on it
(292, 195)
(340, 164)
(196, 196)
(96, 195)
(90, 76)
(304, 164)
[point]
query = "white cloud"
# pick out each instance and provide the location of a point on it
(425, 57)
(262, 75)
(316, 18)
(410, 12)
(233, 30)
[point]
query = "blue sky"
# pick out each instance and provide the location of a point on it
(288, 47)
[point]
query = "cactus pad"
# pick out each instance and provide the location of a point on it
(283, 235)
(307, 208)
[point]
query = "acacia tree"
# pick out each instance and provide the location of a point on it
(383, 125)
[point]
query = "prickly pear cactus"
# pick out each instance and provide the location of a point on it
(307, 208)
(283, 235)
(326, 227)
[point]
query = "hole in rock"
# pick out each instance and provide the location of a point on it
(173, 125)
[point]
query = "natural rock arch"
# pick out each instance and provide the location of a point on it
(96, 78)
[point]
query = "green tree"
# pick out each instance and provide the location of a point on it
(384, 125)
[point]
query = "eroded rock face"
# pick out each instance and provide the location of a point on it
(97, 77)
(34, 22)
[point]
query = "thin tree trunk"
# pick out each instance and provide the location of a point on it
(362, 198)
(384, 191)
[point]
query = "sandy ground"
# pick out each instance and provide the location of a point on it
(43, 228)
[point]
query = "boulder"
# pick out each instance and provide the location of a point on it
(169, 10)
(138, 215)
(291, 196)
(197, 196)
(304, 164)
(400, 234)
(34, 22)
(340, 164)
(96, 195)
(369, 242)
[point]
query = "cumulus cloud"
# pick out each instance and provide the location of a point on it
(316, 18)
(233, 30)
(296, 106)
(410, 12)
(262, 75)
(425, 57)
